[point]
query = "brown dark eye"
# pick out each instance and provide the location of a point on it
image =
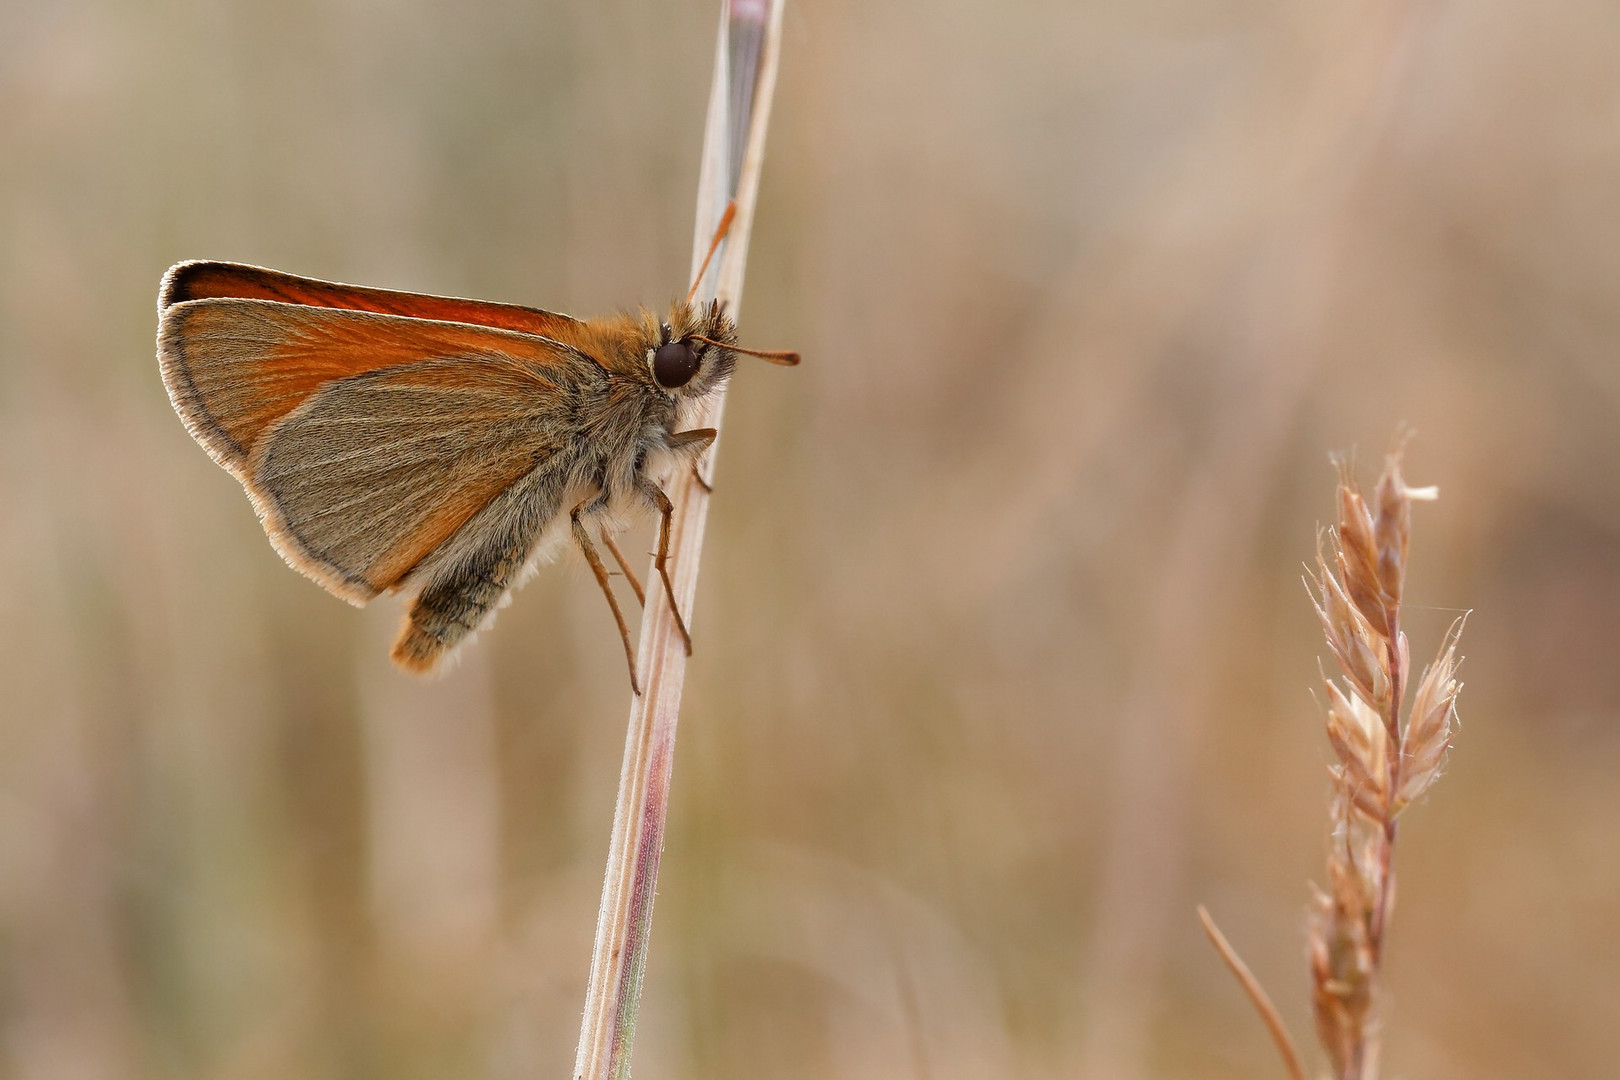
(674, 364)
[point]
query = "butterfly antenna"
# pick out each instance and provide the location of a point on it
(719, 235)
(785, 357)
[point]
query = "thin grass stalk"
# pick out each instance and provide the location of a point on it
(746, 57)
(1257, 996)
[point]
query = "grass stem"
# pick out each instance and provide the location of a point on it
(738, 116)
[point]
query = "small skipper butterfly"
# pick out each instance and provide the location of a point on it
(397, 442)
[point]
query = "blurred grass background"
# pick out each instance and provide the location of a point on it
(1003, 660)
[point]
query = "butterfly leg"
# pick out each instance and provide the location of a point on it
(694, 442)
(583, 538)
(624, 564)
(661, 560)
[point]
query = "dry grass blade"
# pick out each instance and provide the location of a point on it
(1257, 995)
(625, 917)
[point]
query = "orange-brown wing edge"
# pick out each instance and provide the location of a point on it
(203, 280)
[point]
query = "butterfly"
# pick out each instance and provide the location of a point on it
(399, 442)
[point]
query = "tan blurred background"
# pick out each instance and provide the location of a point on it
(1003, 659)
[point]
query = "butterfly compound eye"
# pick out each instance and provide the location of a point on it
(674, 364)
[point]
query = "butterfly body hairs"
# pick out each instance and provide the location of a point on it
(397, 442)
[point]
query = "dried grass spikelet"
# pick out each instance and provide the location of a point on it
(1358, 738)
(1429, 726)
(1341, 954)
(1381, 764)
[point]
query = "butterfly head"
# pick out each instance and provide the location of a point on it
(692, 350)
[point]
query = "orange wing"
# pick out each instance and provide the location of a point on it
(222, 280)
(234, 367)
(365, 440)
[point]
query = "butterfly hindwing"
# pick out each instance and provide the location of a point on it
(376, 472)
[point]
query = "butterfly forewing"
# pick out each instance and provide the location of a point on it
(372, 474)
(221, 280)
